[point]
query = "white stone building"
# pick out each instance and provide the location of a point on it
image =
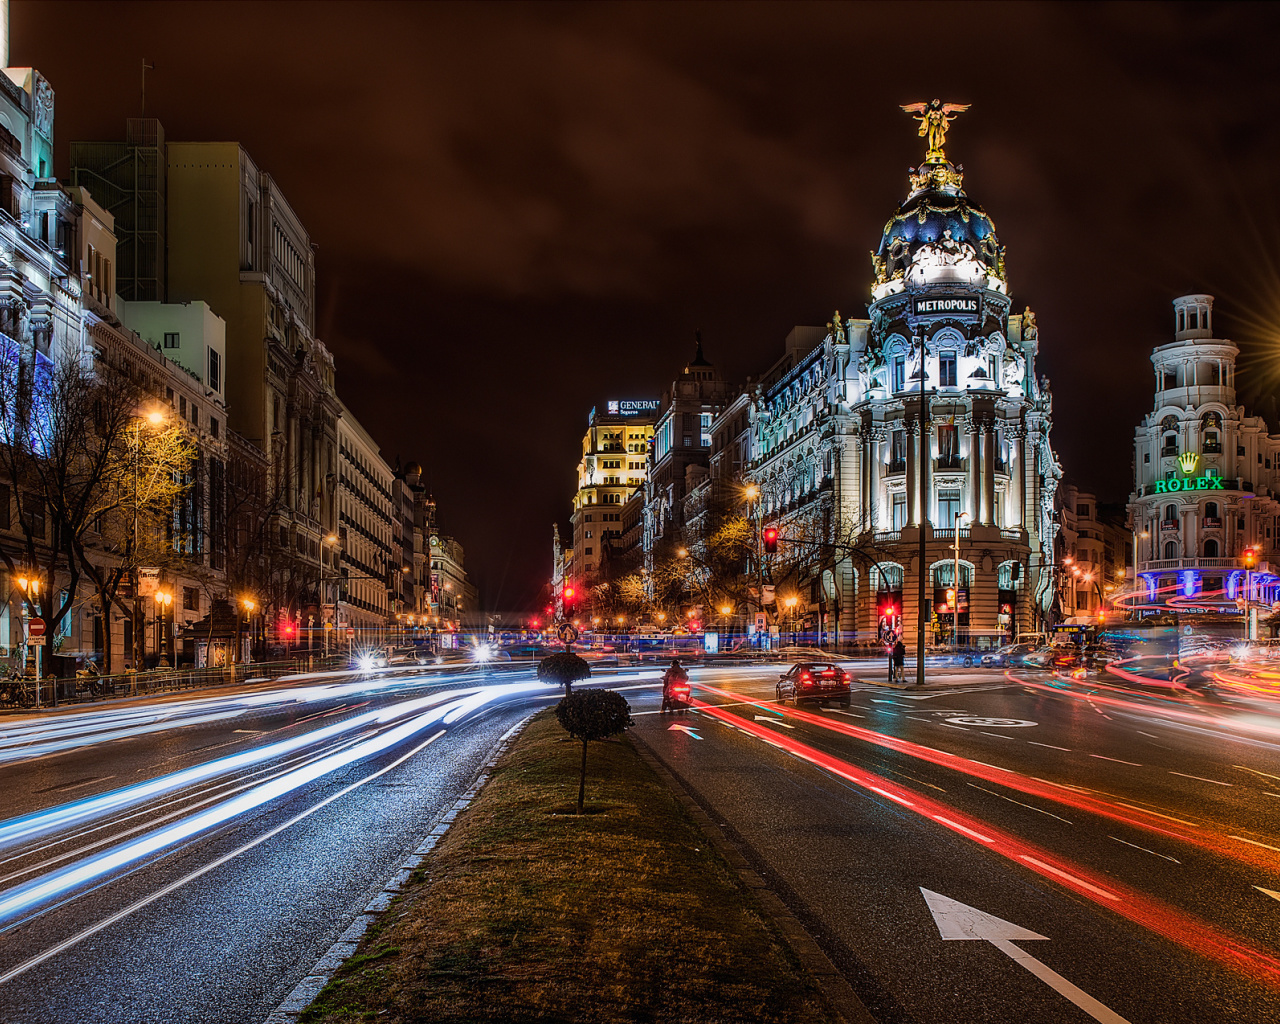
(1205, 475)
(837, 425)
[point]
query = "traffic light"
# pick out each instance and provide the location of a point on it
(570, 597)
(1250, 558)
(770, 539)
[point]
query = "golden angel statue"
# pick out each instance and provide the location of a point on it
(935, 118)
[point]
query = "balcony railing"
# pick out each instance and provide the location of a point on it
(1168, 450)
(1212, 523)
(1163, 564)
(950, 462)
(1169, 525)
(897, 466)
(949, 533)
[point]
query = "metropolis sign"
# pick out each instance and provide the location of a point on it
(921, 304)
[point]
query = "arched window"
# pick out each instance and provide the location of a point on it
(1171, 549)
(1211, 421)
(1170, 422)
(1211, 549)
(1211, 510)
(1171, 513)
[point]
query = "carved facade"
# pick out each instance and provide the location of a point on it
(837, 428)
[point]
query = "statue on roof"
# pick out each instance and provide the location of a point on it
(935, 118)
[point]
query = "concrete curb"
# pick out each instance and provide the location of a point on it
(838, 992)
(309, 987)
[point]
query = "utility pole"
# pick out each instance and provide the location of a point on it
(922, 618)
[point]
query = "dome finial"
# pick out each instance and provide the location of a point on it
(935, 118)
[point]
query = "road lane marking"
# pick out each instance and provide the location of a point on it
(1256, 772)
(849, 713)
(997, 735)
(1103, 757)
(1147, 734)
(81, 785)
(1049, 745)
(960, 828)
(1270, 892)
(1144, 849)
(955, 920)
(1070, 877)
(1170, 817)
(1020, 803)
(1200, 778)
(774, 721)
(684, 728)
(120, 915)
(1256, 843)
(948, 725)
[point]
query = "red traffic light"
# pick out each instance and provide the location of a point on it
(770, 539)
(1250, 558)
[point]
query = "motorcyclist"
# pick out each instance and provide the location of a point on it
(674, 674)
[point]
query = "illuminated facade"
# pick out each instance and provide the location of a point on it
(615, 452)
(1090, 562)
(369, 544)
(836, 430)
(1206, 474)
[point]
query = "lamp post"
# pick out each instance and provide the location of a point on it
(164, 601)
(30, 596)
(955, 580)
(248, 604)
(1250, 560)
(790, 602)
(329, 540)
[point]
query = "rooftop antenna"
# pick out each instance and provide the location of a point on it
(146, 66)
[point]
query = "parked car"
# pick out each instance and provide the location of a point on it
(813, 680)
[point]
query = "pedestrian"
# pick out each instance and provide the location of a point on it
(899, 658)
(888, 650)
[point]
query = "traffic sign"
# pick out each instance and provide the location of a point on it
(351, 633)
(35, 628)
(36, 641)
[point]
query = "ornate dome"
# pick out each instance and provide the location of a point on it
(936, 211)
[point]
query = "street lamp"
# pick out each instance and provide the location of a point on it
(248, 604)
(164, 601)
(790, 602)
(330, 540)
(30, 596)
(955, 580)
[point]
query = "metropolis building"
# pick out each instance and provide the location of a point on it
(837, 423)
(1205, 476)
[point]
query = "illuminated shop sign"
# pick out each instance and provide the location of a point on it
(1197, 483)
(618, 407)
(944, 304)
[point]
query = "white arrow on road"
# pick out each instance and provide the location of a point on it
(956, 920)
(773, 721)
(1270, 892)
(684, 728)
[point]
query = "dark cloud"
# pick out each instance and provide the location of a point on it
(523, 209)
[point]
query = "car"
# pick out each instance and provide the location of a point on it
(1065, 657)
(1008, 656)
(813, 680)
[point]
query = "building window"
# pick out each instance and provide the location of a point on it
(588, 551)
(171, 339)
(213, 426)
(1211, 549)
(948, 507)
(1082, 511)
(899, 373)
(948, 446)
(215, 370)
(1170, 549)
(947, 369)
(191, 599)
(898, 451)
(899, 511)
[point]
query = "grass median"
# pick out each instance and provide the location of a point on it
(527, 912)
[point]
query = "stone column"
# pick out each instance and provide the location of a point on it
(1018, 480)
(926, 475)
(913, 444)
(975, 470)
(988, 473)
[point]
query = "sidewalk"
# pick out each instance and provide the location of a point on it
(524, 911)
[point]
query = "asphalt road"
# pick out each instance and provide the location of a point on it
(191, 858)
(1133, 826)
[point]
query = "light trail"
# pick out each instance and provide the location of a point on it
(1175, 926)
(1195, 835)
(22, 900)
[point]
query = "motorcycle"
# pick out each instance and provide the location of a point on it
(675, 693)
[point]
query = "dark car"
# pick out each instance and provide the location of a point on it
(1008, 656)
(1065, 657)
(813, 680)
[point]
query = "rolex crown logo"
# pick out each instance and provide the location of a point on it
(1188, 460)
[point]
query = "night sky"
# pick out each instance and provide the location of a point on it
(523, 210)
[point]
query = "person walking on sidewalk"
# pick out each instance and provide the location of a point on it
(899, 658)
